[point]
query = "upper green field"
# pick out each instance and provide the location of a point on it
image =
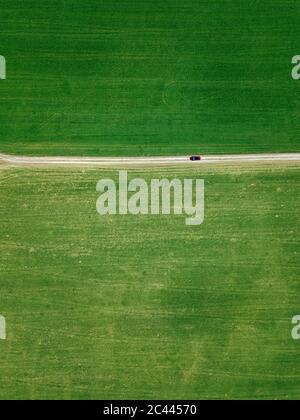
(149, 77)
(146, 307)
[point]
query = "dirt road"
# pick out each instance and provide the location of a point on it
(147, 161)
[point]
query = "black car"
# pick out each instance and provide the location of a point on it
(195, 158)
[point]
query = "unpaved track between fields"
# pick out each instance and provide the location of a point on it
(146, 161)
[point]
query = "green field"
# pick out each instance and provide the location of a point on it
(145, 307)
(149, 77)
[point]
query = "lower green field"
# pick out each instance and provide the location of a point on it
(149, 77)
(146, 307)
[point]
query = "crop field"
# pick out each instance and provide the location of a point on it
(146, 307)
(149, 77)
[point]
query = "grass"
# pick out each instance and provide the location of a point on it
(155, 77)
(145, 307)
